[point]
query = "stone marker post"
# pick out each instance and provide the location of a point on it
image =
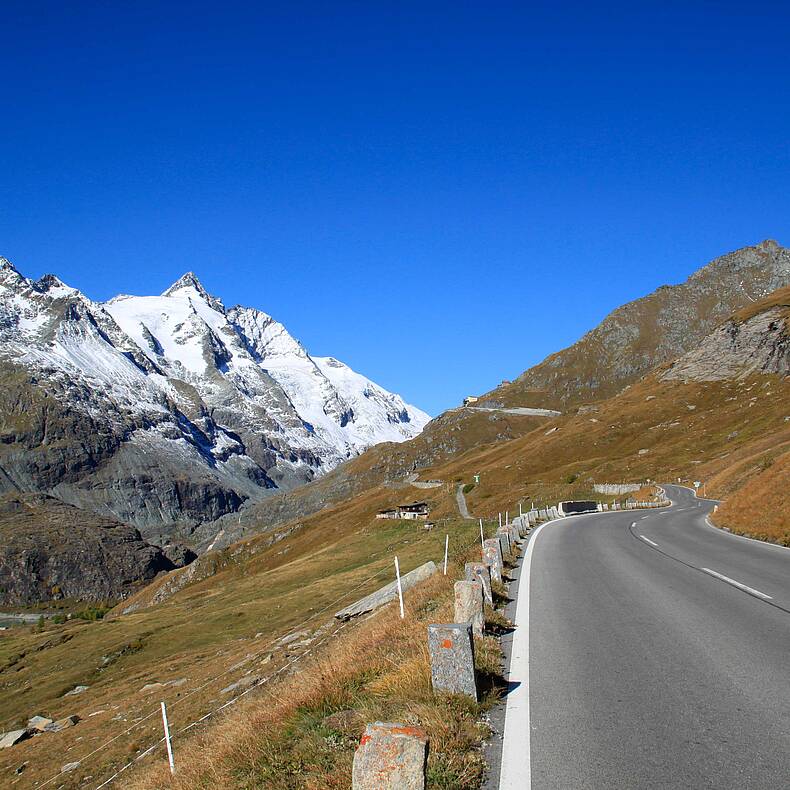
(492, 557)
(514, 536)
(452, 652)
(478, 572)
(504, 539)
(390, 757)
(469, 605)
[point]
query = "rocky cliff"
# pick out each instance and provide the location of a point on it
(755, 340)
(51, 551)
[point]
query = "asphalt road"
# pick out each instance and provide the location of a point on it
(636, 665)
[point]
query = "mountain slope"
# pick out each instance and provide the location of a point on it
(163, 412)
(640, 335)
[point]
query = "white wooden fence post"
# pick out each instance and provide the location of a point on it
(400, 589)
(482, 539)
(446, 546)
(167, 740)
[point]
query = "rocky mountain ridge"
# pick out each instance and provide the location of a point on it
(170, 411)
(640, 335)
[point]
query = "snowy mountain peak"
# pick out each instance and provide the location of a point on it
(189, 286)
(6, 264)
(10, 278)
(55, 287)
(204, 405)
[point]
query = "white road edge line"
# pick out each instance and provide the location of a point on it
(516, 770)
(737, 584)
(647, 540)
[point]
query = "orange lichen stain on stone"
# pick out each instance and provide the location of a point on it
(414, 731)
(447, 643)
(364, 739)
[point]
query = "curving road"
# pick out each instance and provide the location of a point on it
(651, 651)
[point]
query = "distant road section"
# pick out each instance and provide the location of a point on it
(461, 500)
(651, 651)
(520, 410)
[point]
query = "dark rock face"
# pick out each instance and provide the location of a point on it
(49, 551)
(179, 555)
(52, 441)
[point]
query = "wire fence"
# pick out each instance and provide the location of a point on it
(212, 680)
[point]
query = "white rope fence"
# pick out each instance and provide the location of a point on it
(248, 659)
(212, 680)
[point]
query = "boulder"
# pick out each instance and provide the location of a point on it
(62, 724)
(76, 690)
(13, 738)
(390, 757)
(387, 593)
(38, 723)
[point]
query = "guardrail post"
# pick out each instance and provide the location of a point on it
(469, 605)
(514, 536)
(452, 653)
(503, 536)
(492, 557)
(479, 572)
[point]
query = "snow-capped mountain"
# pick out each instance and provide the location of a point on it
(171, 409)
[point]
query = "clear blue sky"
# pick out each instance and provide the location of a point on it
(411, 187)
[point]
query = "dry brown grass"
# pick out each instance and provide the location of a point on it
(759, 507)
(380, 670)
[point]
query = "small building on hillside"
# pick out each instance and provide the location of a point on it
(391, 513)
(470, 399)
(414, 510)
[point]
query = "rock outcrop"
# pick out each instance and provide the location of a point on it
(51, 551)
(756, 341)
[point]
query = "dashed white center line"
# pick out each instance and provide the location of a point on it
(647, 540)
(738, 584)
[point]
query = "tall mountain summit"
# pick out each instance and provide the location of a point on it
(640, 335)
(169, 411)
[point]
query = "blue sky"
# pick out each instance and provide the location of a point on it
(440, 194)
